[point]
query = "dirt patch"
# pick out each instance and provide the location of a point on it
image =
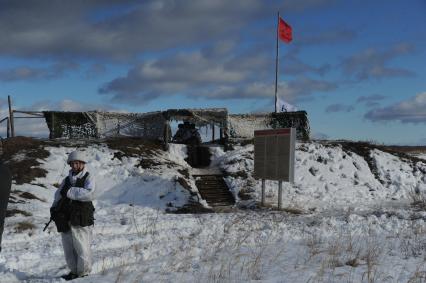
(147, 150)
(20, 155)
(246, 142)
(402, 153)
(134, 147)
(40, 185)
(406, 149)
(23, 226)
(147, 163)
(184, 172)
(245, 194)
(293, 210)
(14, 199)
(184, 183)
(193, 208)
(364, 149)
(12, 212)
(27, 195)
(239, 174)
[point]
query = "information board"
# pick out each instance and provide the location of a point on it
(274, 154)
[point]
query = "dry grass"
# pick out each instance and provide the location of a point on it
(24, 169)
(12, 212)
(418, 200)
(413, 241)
(241, 249)
(147, 150)
(314, 243)
(28, 195)
(363, 149)
(24, 226)
(419, 275)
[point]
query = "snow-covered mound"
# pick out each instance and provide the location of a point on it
(331, 177)
(355, 220)
(122, 181)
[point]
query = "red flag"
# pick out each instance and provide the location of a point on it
(285, 31)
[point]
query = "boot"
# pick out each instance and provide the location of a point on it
(69, 276)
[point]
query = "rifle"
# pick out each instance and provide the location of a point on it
(59, 213)
(47, 224)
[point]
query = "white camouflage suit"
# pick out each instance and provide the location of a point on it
(77, 241)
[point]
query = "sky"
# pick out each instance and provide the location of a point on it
(356, 67)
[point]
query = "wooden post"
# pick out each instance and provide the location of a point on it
(212, 132)
(263, 192)
(166, 135)
(8, 127)
(12, 126)
(97, 128)
(52, 126)
(280, 194)
(118, 127)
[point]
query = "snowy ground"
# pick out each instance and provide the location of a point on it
(341, 222)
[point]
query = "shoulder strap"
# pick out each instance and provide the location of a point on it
(80, 181)
(85, 176)
(67, 181)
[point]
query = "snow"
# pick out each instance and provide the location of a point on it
(353, 226)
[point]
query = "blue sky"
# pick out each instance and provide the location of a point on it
(357, 67)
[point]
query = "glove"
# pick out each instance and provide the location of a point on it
(52, 212)
(65, 189)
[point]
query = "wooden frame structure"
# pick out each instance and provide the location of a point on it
(10, 121)
(156, 125)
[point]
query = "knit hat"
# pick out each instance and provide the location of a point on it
(77, 155)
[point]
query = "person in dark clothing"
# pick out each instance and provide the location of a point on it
(187, 134)
(5, 185)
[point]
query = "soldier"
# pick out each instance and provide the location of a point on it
(5, 184)
(75, 219)
(187, 134)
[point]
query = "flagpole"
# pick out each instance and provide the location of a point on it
(276, 65)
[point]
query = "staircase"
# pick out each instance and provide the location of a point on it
(214, 190)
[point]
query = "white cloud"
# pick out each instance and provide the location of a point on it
(230, 76)
(339, 108)
(412, 110)
(38, 73)
(373, 63)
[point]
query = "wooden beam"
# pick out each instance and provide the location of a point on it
(212, 125)
(34, 113)
(52, 124)
(12, 126)
(28, 117)
(8, 128)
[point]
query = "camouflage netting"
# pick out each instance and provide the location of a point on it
(96, 124)
(242, 126)
(149, 125)
(199, 117)
(152, 125)
(69, 124)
